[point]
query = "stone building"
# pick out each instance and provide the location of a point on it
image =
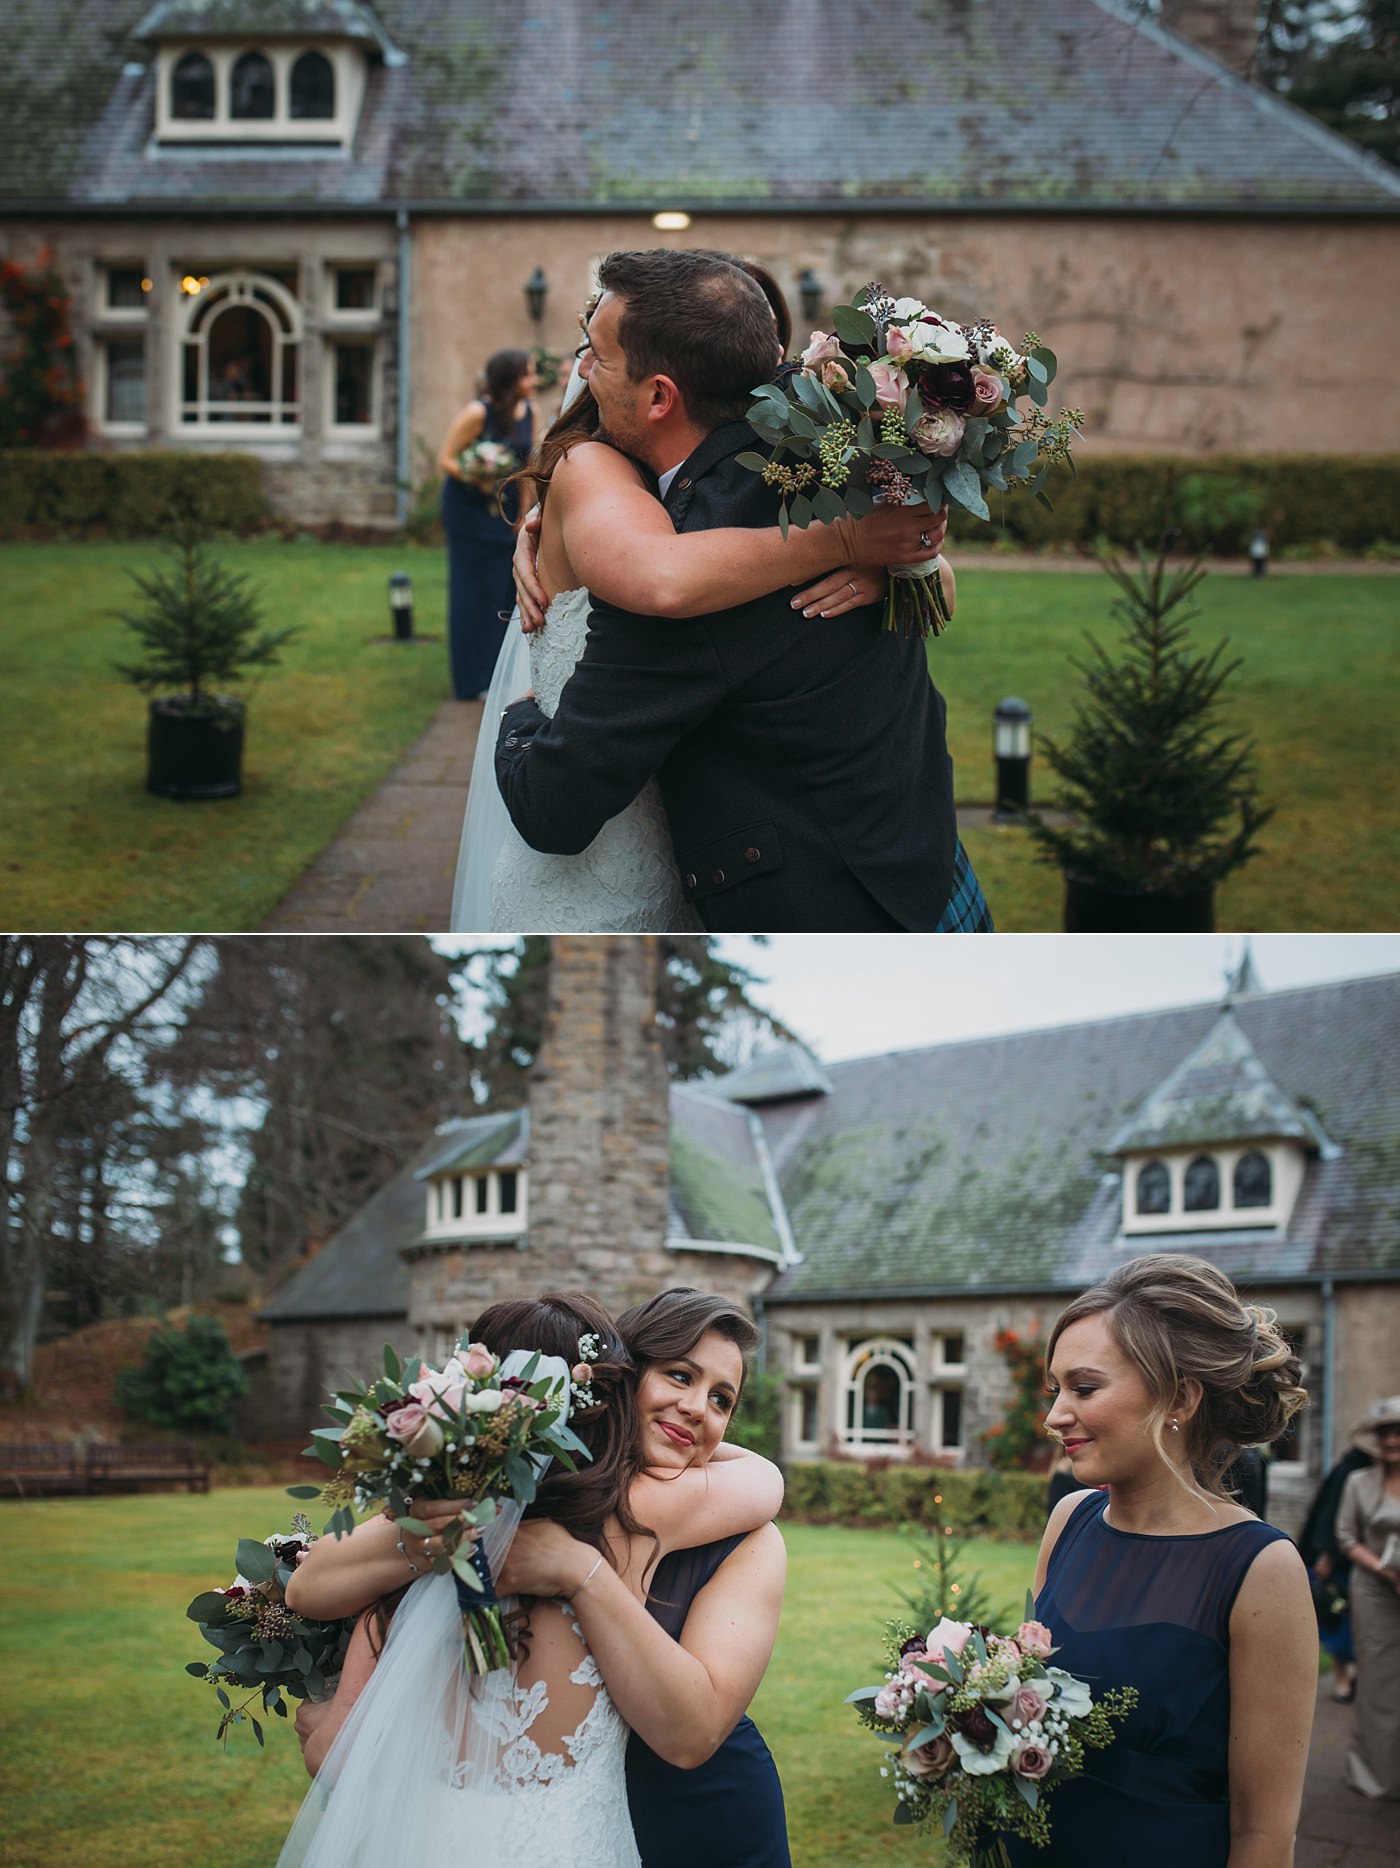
(890, 1215)
(298, 227)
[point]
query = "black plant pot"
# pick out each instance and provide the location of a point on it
(195, 754)
(1095, 908)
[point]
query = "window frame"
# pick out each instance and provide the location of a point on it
(860, 1359)
(332, 135)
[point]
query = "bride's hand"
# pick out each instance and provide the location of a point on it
(850, 588)
(529, 591)
(441, 1514)
(894, 535)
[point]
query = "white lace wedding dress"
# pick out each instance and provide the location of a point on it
(625, 882)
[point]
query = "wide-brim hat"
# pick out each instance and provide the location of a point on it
(1380, 1414)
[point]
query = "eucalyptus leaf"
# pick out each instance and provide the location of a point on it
(852, 325)
(861, 1695)
(801, 511)
(1037, 393)
(925, 1735)
(1048, 361)
(859, 504)
(802, 424)
(416, 1525)
(913, 410)
(1029, 1790)
(783, 519)
(463, 1568)
(208, 1606)
(808, 391)
(828, 505)
(950, 1817)
(865, 388)
(1037, 369)
(319, 1449)
(200, 1670)
(255, 1561)
(767, 432)
(393, 1368)
(961, 482)
(303, 1491)
(257, 1730)
(222, 1697)
(754, 462)
(865, 434)
(903, 1815)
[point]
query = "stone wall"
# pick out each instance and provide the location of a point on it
(305, 1361)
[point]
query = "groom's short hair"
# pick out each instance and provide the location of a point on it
(698, 320)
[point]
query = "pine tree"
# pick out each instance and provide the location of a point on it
(1162, 799)
(1340, 61)
(198, 623)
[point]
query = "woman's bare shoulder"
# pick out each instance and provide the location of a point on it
(595, 464)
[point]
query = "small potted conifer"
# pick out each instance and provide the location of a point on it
(1160, 796)
(199, 629)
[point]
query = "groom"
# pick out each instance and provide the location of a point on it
(802, 762)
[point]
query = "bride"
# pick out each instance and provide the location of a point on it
(426, 1761)
(628, 555)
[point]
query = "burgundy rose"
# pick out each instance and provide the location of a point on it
(914, 1645)
(976, 1726)
(951, 384)
(389, 1408)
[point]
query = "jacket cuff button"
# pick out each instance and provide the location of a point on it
(751, 855)
(690, 882)
(717, 877)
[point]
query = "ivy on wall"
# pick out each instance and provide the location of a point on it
(1017, 1443)
(41, 392)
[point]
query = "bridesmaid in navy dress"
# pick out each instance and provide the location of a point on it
(1157, 1579)
(479, 528)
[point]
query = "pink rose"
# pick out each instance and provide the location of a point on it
(930, 1760)
(939, 432)
(478, 1361)
(949, 1637)
(835, 377)
(891, 386)
(440, 1393)
(912, 1667)
(415, 1430)
(986, 390)
(892, 1700)
(1035, 1640)
(825, 346)
(1027, 1705)
(1031, 1761)
(897, 345)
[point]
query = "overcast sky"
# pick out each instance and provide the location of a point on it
(856, 995)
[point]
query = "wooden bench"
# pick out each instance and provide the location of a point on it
(31, 1470)
(146, 1462)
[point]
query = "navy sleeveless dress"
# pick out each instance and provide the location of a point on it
(728, 1812)
(1154, 1613)
(480, 589)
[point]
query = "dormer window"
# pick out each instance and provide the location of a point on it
(1154, 1188)
(192, 89)
(276, 92)
(252, 92)
(1254, 1180)
(1201, 1188)
(486, 1204)
(313, 88)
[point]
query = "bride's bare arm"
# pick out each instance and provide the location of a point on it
(341, 1575)
(620, 543)
(685, 1697)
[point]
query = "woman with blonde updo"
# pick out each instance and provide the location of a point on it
(1157, 1579)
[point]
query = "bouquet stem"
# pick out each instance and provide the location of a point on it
(484, 1644)
(916, 602)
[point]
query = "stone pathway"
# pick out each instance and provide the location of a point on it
(1338, 1828)
(390, 869)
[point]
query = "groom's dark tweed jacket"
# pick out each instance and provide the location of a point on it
(803, 764)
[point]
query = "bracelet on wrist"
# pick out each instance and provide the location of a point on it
(598, 1563)
(404, 1554)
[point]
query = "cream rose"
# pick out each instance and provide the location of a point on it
(891, 386)
(438, 1391)
(939, 432)
(478, 1361)
(930, 1760)
(1034, 1639)
(1031, 1761)
(1027, 1705)
(986, 388)
(823, 348)
(835, 376)
(415, 1430)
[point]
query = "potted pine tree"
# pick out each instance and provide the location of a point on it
(1160, 796)
(199, 628)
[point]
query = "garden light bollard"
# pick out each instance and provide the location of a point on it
(1011, 742)
(401, 605)
(1259, 552)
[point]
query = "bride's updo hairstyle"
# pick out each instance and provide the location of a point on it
(583, 1501)
(1179, 1320)
(671, 1324)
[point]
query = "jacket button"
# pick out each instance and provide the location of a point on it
(717, 877)
(512, 740)
(690, 882)
(684, 483)
(751, 854)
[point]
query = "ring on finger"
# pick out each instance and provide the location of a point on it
(925, 541)
(851, 587)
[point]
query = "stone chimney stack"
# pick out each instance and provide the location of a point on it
(600, 1123)
(1227, 29)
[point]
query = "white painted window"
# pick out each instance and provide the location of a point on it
(877, 1394)
(239, 355)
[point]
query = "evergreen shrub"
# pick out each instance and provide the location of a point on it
(126, 495)
(187, 1379)
(975, 1500)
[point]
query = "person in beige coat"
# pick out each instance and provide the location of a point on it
(1368, 1535)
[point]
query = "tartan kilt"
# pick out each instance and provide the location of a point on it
(967, 911)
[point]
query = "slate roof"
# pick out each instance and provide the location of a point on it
(755, 104)
(790, 1070)
(480, 1141)
(1221, 1093)
(984, 1165)
(717, 1188)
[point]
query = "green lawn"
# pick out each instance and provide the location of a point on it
(83, 846)
(108, 1747)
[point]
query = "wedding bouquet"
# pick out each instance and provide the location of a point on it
(899, 404)
(261, 1643)
(986, 1729)
(487, 465)
(470, 1431)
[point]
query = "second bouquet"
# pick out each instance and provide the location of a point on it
(479, 1430)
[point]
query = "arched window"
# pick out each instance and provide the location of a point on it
(1254, 1180)
(1202, 1187)
(192, 88)
(1154, 1188)
(879, 1393)
(313, 86)
(241, 343)
(251, 89)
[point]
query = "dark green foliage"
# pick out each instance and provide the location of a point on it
(197, 623)
(126, 495)
(853, 1493)
(1162, 798)
(1340, 61)
(187, 1379)
(756, 1424)
(40, 390)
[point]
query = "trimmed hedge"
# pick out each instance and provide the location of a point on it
(973, 1500)
(126, 495)
(1299, 499)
